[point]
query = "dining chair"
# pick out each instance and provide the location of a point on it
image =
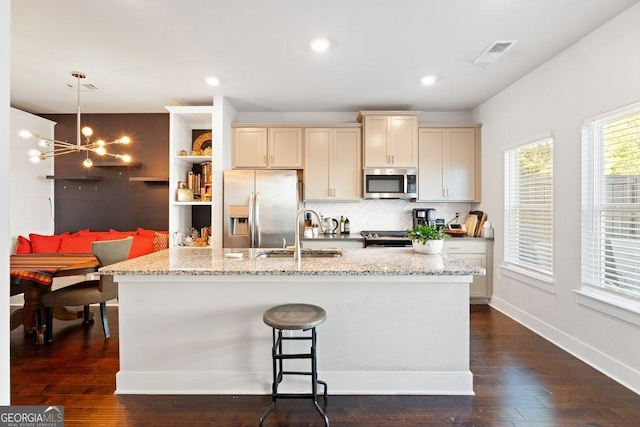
(90, 291)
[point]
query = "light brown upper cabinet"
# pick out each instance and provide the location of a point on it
(449, 167)
(390, 138)
(263, 148)
(332, 165)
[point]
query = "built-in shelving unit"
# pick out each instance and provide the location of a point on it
(183, 121)
(192, 160)
(75, 177)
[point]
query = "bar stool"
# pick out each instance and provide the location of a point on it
(294, 317)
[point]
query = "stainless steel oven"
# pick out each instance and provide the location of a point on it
(390, 183)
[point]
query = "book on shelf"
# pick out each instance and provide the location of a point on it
(200, 182)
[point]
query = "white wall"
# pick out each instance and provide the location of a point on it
(598, 74)
(31, 194)
(5, 26)
(224, 114)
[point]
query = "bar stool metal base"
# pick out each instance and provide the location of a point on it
(279, 373)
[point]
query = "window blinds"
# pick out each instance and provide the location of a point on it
(611, 201)
(529, 206)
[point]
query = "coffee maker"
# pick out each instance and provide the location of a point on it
(424, 216)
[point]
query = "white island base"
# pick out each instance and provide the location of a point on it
(204, 334)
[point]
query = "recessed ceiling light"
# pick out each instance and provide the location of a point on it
(320, 45)
(213, 81)
(428, 80)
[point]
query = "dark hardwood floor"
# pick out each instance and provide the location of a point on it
(520, 379)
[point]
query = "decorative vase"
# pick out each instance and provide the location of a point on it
(430, 246)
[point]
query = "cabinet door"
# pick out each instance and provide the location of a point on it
(376, 137)
(285, 148)
(475, 252)
(317, 154)
(249, 148)
(404, 145)
(478, 288)
(431, 167)
(346, 171)
(461, 174)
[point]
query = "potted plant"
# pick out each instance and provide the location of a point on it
(427, 239)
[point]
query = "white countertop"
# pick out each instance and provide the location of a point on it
(353, 262)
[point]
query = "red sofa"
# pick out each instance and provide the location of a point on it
(144, 241)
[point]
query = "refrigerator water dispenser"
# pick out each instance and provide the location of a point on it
(239, 220)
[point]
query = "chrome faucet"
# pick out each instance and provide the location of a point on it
(297, 252)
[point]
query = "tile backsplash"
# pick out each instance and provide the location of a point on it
(386, 214)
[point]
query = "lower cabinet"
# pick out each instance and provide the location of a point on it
(480, 253)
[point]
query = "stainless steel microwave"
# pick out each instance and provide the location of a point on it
(390, 183)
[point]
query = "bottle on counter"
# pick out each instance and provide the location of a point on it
(307, 220)
(347, 226)
(316, 230)
(341, 225)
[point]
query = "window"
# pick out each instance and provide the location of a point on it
(611, 202)
(529, 207)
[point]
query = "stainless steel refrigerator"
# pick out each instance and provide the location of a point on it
(259, 208)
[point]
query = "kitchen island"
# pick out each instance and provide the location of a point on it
(190, 321)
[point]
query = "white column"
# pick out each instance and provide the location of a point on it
(5, 58)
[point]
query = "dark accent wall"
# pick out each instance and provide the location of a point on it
(114, 202)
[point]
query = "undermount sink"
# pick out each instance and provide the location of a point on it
(306, 253)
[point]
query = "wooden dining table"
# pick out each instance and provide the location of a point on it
(33, 274)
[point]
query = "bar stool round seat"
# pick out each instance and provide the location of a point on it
(294, 316)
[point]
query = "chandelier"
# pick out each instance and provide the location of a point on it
(53, 147)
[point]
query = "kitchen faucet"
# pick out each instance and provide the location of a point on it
(297, 252)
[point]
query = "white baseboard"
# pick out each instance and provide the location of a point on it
(610, 367)
(339, 383)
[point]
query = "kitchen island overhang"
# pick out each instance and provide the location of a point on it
(191, 321)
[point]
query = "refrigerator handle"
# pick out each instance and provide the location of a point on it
(251, 220)
(257, 220)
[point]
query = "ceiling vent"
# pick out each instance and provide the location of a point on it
(494, 52)
(84, 87)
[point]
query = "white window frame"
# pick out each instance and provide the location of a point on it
(596, 292)
(513, 266)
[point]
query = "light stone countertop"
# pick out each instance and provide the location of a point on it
(353, 262)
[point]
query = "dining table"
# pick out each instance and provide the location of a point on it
(33, 274)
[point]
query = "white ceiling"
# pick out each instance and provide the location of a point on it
(147, 54)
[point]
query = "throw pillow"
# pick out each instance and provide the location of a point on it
(77, 245)
(45, 244)
(142, 245)
(23, 246)
(160, 241)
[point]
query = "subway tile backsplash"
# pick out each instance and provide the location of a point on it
(386, 214)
